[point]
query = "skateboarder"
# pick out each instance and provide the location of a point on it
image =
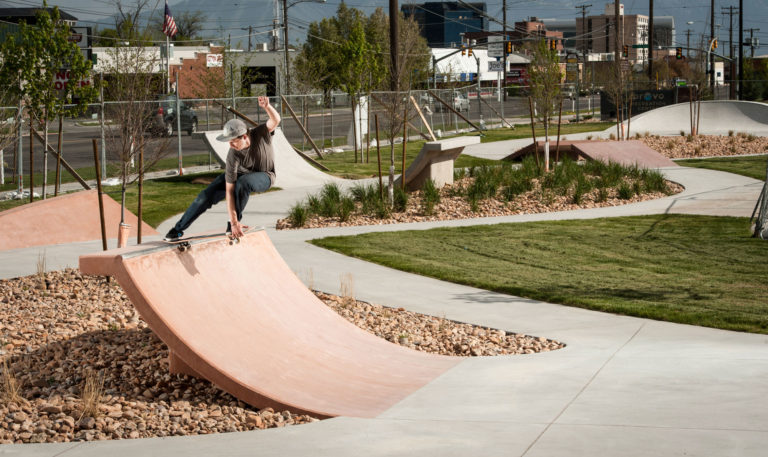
(250, 167)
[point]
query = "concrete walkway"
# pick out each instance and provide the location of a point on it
(622, 386)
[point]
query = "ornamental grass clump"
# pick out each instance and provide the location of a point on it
(582, 187)
(298, 215)
(330, 199)
(400, 202)
(625, 191)
(346, 208)
(430, 197)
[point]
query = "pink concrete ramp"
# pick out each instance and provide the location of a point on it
(64, 219)
(238, 316)
(630, 152)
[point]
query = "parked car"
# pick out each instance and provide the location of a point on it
(460, 103)
(164, 117)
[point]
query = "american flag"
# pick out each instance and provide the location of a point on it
(169, 25)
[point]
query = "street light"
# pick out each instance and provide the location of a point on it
(287, 5)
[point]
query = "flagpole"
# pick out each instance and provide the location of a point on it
(167, 64)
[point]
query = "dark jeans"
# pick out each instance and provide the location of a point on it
(216, 192)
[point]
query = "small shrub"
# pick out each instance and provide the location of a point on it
(689, 138)
(637, 135)
(671, 144)
(589, 137)
(637, 187)
(612, 136)
(93, 388)
(730, 133)
(625, 191)
(459, 174)
(11, 387)
(697, 150)
(682, 132)
(602, 194)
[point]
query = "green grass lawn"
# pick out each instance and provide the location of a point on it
(750, 166)
(696, 270)
(524, 131)
(162, 198)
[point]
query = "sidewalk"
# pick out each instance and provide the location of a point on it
(622, 386)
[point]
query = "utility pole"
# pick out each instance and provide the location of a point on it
(285, 45)
(617, 30)
(504, 29)
(711, 41)
(741, 47)
(650, 42)
(752, 41)
(393, 45)
(731, 65)
(583, 33)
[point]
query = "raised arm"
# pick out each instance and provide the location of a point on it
(274, 116)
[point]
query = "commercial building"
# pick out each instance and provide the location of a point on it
(443, 23)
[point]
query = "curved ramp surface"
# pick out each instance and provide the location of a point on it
(68, 218)
(292, 171)
(717, 118)
(238, 316)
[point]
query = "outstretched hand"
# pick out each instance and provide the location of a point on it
(263, 101)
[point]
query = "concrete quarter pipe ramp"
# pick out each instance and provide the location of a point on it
(68, 218)
(238, 316)
(292, 171)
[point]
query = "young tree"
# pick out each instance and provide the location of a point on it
(55, 78)
(545, 75)
(130, 88)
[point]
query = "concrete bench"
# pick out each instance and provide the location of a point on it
(435, 161)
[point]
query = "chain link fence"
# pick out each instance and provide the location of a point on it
(176, 141)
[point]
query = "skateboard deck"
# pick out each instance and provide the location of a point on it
(184, 243)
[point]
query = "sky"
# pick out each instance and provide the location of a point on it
(228, 18)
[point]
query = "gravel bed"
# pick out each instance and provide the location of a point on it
(452, 207)
(63, 333)
(687, 147)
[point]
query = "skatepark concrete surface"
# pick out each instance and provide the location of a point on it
(717, 118)
(622, 386)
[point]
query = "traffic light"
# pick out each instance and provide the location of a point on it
(679, 53)
(714, 44)
(469, 52)
(463, 50)
(625, 51)
(553, 44)
(509, 47)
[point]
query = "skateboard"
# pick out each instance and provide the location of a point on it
(182, 244)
